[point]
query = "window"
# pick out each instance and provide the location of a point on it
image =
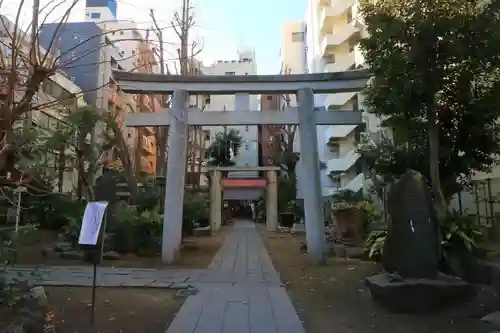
(298, 37)
(247, 147)
(230, 73)
(336, 182)
(95, 16)
(269, 97)
(334, 148)
(330, 59)
(246, 128)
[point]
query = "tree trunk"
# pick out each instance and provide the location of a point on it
(433, 135)
(161, 135)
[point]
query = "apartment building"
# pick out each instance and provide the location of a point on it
(293, 54)
(88, 56)
(57, 96)
(138, 56)
(333, 31)
(244, 65)
(269, 135)
(100, 10)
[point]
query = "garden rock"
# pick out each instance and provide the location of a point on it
(72, 255)
(418, 296)
(412, 247)
(111, 255)
(491, 322)
(31, 318)
(412, 252)
(202, 231)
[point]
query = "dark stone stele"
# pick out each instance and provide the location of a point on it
(412, 282)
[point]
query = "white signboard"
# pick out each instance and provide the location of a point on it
(92, 221)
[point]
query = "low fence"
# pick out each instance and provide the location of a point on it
(481, 199)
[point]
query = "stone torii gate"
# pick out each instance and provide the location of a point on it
(179, 116)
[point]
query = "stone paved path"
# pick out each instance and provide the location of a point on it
(240, 292)
(106, 276)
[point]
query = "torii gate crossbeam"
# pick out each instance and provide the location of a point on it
(178, 117)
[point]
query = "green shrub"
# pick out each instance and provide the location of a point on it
(137, 233)
(196, 211)
(461, 233)
(374, 244)
(72, 230)
(10, 242)
(148, 196)
(56, 210)
(139, 230)
(148, 228)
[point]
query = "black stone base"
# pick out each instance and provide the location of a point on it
(418, 296)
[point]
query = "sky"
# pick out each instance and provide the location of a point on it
(222, 26)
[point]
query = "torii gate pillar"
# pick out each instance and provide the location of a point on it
(174, 187)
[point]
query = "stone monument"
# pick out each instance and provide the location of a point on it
(412, 282)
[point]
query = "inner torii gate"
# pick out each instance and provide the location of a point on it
(179, 116)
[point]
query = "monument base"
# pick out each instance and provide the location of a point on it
(418, 296)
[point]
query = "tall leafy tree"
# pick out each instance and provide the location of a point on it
(436, 74)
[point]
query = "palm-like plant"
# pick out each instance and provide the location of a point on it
(223, 149)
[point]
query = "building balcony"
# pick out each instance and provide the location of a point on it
(343, 163)
(355, 184)
(340, 101)
(340, 63)
(147, 146)
(149, 130)
(114, 98)
(335, 14)
(145, 104)
(146, 165)
(335, 42)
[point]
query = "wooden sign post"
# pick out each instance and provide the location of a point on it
(92, 238)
